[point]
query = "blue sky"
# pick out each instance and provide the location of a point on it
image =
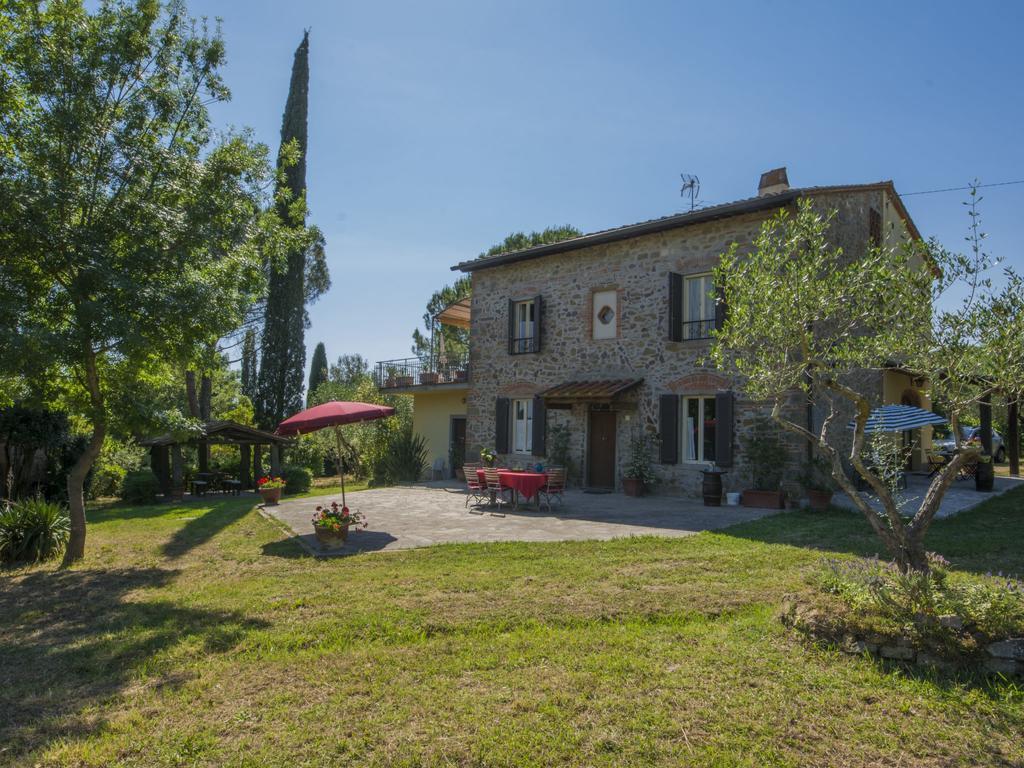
(437, 128)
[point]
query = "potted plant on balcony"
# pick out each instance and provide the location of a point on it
(404, 381)
(638, 475)
(429, 377)
(331, 523)
(270, 489)
(460, 375)
(767, 455)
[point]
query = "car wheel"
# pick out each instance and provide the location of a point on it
(1001, 455)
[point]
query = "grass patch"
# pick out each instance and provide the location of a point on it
(177, 642)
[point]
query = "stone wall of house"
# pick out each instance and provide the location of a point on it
(638, 269)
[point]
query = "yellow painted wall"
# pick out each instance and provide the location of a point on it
(894, 384)
(431, 417)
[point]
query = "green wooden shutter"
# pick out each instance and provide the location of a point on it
(540, 418)
(501, 425)
(668, 423)
(725, 420)
(675, 307)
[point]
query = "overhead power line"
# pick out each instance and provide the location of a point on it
(960, 189)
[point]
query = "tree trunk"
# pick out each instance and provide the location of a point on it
(76, 478)
(190, 391)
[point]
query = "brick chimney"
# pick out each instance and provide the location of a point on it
(773, 182)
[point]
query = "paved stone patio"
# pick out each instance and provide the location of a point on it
(417, 516)
(960, 496)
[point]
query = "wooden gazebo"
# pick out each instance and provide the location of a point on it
(168, 463)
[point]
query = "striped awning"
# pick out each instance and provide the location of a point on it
(899, 418)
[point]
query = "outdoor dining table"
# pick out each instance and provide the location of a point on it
(526, 483)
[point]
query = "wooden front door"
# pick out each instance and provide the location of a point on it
(458, 446)
(601, 450)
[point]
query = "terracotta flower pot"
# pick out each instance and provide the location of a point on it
(270, 495)
(819, 500)
(429, 378)
(633, 486)
(329, 538)
(459, 376)
(764, 499)
(404, 381)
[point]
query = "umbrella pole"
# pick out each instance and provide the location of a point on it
(341, 463)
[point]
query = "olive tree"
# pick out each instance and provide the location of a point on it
(130, 231)
(806, 317)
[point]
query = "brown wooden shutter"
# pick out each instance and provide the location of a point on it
(721, 309)
(511, 326)
(538, 308)
(501, 424)
(725, 420)
(540, 418)
(874, 227)
(675, 307)
(668, 423)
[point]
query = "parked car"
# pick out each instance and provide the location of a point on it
(998, 448)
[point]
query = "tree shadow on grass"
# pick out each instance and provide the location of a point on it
(71, 639)
(217, 516)
(985, 539)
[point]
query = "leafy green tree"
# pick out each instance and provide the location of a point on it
(317, 371)
(350, 370)
(283, 358)
(128, 233)
(456, 340)
(805, 317)
(249, 365)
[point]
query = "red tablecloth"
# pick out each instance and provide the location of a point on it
(526, 483)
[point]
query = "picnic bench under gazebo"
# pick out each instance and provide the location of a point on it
(169, 465)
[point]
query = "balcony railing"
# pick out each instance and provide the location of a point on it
(698, 329)
(414, 372)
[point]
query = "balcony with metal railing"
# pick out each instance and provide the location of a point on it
(414, 373)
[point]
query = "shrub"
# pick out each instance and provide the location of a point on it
(140, 487)
(935, 607)
(766, 451)
(405, 460)
(32, 530)
(297, 479)
(116, 460)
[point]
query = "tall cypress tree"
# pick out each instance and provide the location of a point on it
(283, 361)
(317, 370)
(249, 381)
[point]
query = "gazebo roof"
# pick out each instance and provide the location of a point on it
(223, 431)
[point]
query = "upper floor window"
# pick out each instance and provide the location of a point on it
(698, 306)
(524, 326)
(522, 426)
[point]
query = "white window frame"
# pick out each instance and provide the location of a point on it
(685, 432)
(524, 325)
(522, 429)
(708, 287)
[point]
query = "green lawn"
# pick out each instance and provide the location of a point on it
(197, 635)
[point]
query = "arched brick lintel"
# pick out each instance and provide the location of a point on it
(703, 383)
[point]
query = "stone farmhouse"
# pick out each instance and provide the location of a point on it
(606, 335)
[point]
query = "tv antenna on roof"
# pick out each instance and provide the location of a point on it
(691, 187)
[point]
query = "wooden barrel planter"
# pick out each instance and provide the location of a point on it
(712, 487)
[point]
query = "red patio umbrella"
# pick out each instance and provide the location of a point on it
(333, 414)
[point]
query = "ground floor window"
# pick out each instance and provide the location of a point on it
(522, 426)
(698, 428)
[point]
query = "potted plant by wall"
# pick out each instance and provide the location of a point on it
(331, 523)
(767, 455)
(488, 456)
(818, 483)
(456, 459)
(270, 489)
(638, 475)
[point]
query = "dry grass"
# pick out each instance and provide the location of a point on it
(197, 635)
